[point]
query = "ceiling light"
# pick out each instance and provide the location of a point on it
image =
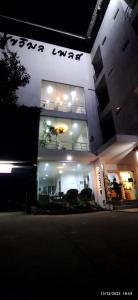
(48, 122)
(65, 97)
(5, 168)
(64, 164)
(70, 133)
(60, 171)
(69, 104)
(69, 157)
(75, 125)
(46, 165)
(46, 175)
(47, 101)
(58, 99)
(60, 167)
(78, 165)
(50, 89)
(60, 102)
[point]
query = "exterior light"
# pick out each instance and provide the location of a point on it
(50, 89)
(118, 108)
(5, 168)
(69, 157)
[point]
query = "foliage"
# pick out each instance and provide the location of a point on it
(12, 76)
(46, 134)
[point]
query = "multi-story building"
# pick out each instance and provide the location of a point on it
(88, 120)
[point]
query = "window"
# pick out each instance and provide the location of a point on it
(97, 63)
(125, 45)
(56, 178)
(63, 134)
(102, 94)
(135, 24)
(131, 3)
(62, 97)
(107, 127)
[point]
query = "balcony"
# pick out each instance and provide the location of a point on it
(65, 146)
(63, 134)
(51, 105)
(62, 97)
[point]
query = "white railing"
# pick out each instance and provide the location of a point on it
(65, 146)
(80, 109)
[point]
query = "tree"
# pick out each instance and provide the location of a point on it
(12, 76)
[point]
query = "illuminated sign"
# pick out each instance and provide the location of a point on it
(98, 177)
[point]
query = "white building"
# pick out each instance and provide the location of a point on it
(88, 121)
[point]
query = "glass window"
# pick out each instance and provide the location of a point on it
(58, 133)
(62, 97)
(55, 178)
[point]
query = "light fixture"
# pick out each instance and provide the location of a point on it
(65, 97)
(48, 122)
(47, 130)
(118, 109)
(75, 125)
(47, 101)
(60, 103)
(50, 89)
(5, 168)
(60, 167)
(46, 175)
(69, 104)
(70, 133)
(60, 172)
(46, 165)
(69, 157)
(61, 128)
(78, 165)
(64, 164)
(58, 99)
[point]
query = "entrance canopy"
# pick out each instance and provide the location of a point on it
(117, 148)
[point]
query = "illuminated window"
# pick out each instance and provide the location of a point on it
(62, 97)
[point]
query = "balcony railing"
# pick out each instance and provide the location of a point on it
(80, 109)
(65, 146)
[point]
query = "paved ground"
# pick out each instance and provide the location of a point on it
(91, 252)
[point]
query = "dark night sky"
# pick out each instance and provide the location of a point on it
(60, 15)
(69, 16)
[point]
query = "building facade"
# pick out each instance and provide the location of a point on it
(88, 121)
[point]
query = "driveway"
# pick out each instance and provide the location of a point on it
(94, 252)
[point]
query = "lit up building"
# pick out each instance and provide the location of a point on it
(88, 119)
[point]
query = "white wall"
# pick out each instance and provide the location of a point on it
(123, 79)
(71, 181)
(44, 65)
